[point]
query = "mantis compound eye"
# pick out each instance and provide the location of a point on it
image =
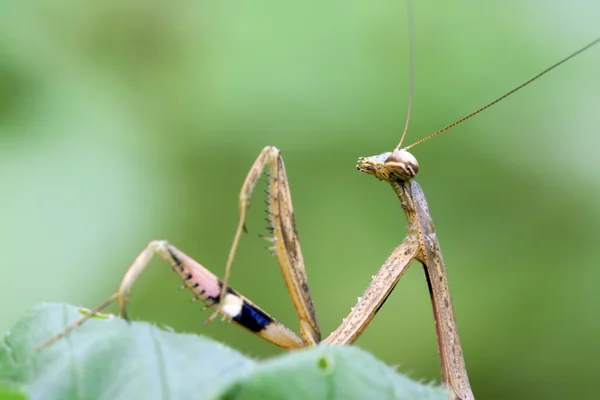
(402, 164)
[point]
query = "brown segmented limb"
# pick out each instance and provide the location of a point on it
(454, 370)
(375, 295)
(286, 245)
(217, 295)
(206, 287)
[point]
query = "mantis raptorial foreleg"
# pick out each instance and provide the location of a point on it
(286, 245)
(206, 287)
(216, 294)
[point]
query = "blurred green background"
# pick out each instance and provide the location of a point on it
(122, 122)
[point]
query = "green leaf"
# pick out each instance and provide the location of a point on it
(108, 358)
(112, 359)
(328, 372)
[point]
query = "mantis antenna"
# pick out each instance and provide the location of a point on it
(411, 60)
(581, 50)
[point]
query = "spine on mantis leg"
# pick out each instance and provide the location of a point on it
(233, 306)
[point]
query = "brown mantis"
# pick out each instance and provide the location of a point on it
(397, 168)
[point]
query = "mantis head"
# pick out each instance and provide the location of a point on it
(398, 165)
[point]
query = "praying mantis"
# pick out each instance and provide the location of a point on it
(398, 168)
